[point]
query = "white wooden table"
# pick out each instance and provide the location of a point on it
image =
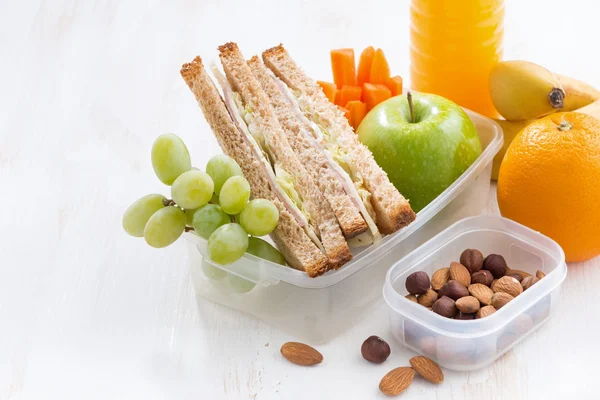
(87, 312)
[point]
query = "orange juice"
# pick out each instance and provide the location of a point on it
(454, 45)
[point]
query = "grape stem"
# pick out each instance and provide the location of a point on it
(188, 228)
(168, 202)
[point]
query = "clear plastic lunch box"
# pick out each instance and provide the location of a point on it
(469, 345)
(316, 309)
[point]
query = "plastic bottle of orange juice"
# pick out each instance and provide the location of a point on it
(454, 44)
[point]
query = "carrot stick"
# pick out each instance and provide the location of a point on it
(329, 89)
(350, 93)
(395, 85)
(364, 65)
(357, 110)
(374, 94)
(380, 70)
(343, 67)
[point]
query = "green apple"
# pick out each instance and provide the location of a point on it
(423, 152)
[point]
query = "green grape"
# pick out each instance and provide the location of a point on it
(259, 217)
(211, 272)
(165, 226)
(214, 199)
(234, 195)
(220, 168)
(189, 216)
(240, 285)
(137, 215)
(260, 248)
(228, 243)
(170, 158)
(208, 218)
(192, 189)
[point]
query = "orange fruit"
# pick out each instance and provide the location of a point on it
(550, 181)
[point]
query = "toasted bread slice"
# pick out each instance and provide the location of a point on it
(254, 98)
(392, 210)
(297, 248)
(301, 137)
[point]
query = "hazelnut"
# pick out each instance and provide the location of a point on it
(463, 316)
(418, 283)
(482, 276)
(375, 349)
(427, 299)
(472, 259)
(445, 307)
(496, 264)
(453, 289)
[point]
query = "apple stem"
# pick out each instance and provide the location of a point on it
(410, 106)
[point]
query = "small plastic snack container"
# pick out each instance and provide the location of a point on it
(316, 309)
(469, 345)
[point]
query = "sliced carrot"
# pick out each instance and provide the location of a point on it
(343, 67)
(329, 89)
(380, 70)
(338, 97)
(349, 93)
(358, 110)
(364, 65)
(345, 111)
(395, 85)
(374, 93)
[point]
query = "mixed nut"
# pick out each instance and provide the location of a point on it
(375, 350)
(476, 287)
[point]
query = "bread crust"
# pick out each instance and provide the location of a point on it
(310, 153)
(243, 81)
(297, 248)
(392, 209)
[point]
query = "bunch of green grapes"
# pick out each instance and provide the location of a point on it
(215, 204)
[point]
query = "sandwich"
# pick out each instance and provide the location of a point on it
(326, 185)
(307, 234)
(386, 206)
(305, 139)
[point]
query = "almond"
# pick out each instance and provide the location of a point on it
(529, 282)
(539, 274)
(301, 354)
(439, 278)
(428, 369)
(396, 381)
(500, 299)
(482, 293)
(468, 304)
(519, 272)
(411, 297)
(508, 284)
(428, 298)
(460, 273)
(485, 311)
